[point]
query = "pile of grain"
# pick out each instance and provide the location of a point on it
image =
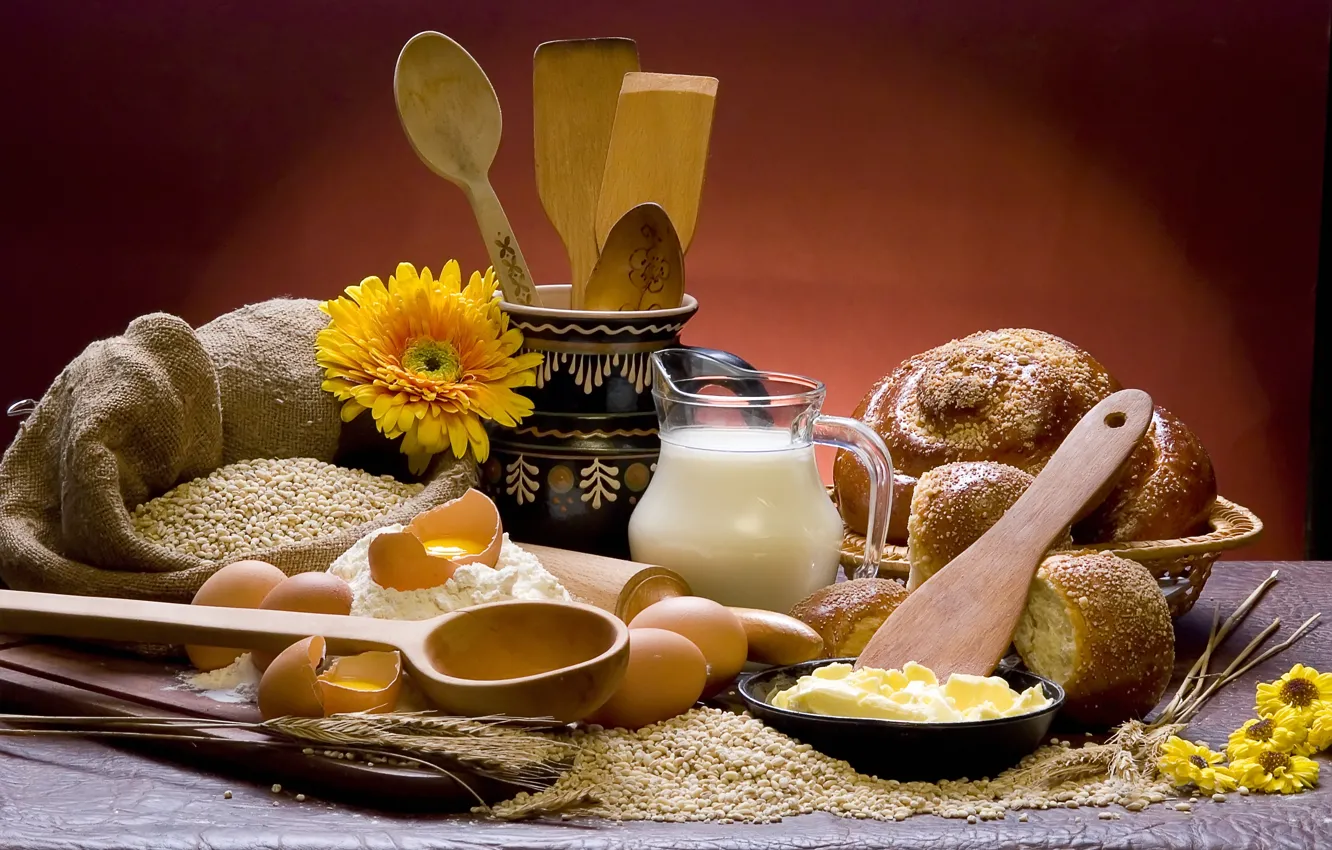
(713, 765)
(247, 507)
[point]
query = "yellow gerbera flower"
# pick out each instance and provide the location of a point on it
(1283, 732)
(1301, 689)
(1320, 731)
(1184, 763)
(1277, 773)
(428, 358)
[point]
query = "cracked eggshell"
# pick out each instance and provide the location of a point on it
(290, 685)
(370, 682)
(310, 593)
(471, 515)
(400, 560)
(241, 584)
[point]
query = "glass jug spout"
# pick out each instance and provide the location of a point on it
(700, 391)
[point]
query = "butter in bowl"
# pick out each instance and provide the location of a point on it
(905, 724)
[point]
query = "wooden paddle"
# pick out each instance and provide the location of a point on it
(641, 267)
(962, 619)
(658, 150)
(575, 87)
(452, 119)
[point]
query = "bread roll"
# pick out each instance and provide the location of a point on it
(1009, 396)
(1166, 490)
(846, 615)
(953, 506)
(1099, 625)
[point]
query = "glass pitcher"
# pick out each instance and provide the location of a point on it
(736, 505)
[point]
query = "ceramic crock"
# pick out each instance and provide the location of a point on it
(570, 474)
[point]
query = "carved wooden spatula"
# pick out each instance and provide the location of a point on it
(961, 620)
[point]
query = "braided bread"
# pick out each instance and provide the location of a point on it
(1009, 396)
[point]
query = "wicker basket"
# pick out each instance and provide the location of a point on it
(1181, 565)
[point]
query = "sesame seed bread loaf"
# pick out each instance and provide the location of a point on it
(846, 615)
(953, 505)
(1098, 625)
(1009, 396)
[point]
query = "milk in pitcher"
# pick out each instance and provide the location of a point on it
(741, 514)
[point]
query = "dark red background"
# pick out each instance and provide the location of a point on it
(1142, 177)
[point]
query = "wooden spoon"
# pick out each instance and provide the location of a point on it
(452, 119)
(518, 658)
(658, 150)
(961, 620)
(575, 87)
(641, 266)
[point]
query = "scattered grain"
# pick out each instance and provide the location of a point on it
(711, 765)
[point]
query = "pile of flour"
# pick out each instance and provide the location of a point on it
(237, 682)
(517, 575)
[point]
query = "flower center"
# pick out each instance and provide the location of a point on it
(434, 359)
(1199, 762)
(1260, 731)
(1273, 761)
(1298, 692)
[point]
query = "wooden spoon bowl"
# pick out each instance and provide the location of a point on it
(520, 658)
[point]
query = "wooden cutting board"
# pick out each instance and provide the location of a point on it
(59, 678)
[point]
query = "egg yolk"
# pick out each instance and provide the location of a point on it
(454, 547)
(358, 684)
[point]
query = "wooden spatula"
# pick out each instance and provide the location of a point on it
(575, 87)
(961, 620)
(658, 150)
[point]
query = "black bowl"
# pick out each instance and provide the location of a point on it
(897, 749)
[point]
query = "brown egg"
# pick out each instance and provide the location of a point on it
(371, 681)
(312, 593)
(664, 677)
(290, 685)
(466, 530)
(242, 584)
(712, 627)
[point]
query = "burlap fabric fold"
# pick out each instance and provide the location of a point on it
(135, 415)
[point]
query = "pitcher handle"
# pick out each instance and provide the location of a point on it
(868, 447)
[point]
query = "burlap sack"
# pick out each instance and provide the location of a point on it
(137, 414)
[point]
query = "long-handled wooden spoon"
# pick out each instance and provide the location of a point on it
(452, 119)
(641, 266)
(658, 150)
(961, 620)
(519, 658)
(575, 87)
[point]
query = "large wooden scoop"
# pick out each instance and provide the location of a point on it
(962, 619)
(519, 658)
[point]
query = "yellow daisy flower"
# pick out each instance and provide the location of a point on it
(428, 358)
(1320, 731)
(1184, 763)
(1301, 689)
(1277, 773)
(1284, 732)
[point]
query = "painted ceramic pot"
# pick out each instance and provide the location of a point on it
(570, 474)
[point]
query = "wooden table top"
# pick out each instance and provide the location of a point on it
(66, 793)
